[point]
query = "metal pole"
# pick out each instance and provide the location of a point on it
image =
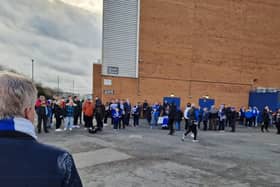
(32, 60)
(57, 85)
(73, 86)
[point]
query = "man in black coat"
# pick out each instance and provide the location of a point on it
(23, 160)
(266, 119)
(99, 113)
(171, 111)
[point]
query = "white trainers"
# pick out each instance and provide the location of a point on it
(192, 135)
(195, 141)
(70, 129)
(58, 130)
(183, 138)
(65, 129)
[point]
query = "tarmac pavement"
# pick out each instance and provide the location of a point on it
(138, 157)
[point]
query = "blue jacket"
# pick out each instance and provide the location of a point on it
(248, 114)
(26, 162)
(116, 115)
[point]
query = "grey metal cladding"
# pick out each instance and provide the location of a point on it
(120, 37)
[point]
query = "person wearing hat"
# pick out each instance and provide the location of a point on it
(25, 161)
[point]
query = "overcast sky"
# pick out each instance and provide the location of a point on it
(62, 36)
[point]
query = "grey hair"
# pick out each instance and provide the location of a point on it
(16, 94)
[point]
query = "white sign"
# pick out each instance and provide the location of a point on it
(107, 82)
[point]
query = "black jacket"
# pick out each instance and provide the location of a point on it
(192, 114)
(265, 116)
(58, 111)
(26, 162)
(172, 112)
(99, 110)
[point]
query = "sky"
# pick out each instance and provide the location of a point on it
(62, 36)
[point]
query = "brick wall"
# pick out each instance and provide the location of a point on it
(221, 48)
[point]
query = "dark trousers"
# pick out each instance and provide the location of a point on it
(248, 122)
(144, 113)
(135, 120)
(254, 121)
(278, 128)
(170, 125)
(186, 124)
(213, 124)
(126, 118)
(265, 126)
(106, 117)
(88, 121)
(76, 117)
(205, 125)
(80, 118)
(116, 123)
(232, 125)
(222, 125)
(58, 120)
(199, 121)
(121, 122)
(193, 130)
(99, 122)
(44, 119)
(227, 123)
(112, 120)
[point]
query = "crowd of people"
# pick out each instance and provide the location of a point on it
(17, 131)
(75, 112)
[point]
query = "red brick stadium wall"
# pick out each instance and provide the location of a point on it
(220, 48)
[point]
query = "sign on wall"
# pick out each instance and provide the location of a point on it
(111, 70)
(107, 82)
(109, 92)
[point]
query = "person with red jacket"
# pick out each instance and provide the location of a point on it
(88, 108)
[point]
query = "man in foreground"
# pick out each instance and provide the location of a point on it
(23, 160)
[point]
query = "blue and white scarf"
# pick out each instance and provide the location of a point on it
(18, 124)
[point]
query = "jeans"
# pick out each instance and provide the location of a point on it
(178, 125)
(69, 120)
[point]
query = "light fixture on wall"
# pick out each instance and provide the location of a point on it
(206, 97)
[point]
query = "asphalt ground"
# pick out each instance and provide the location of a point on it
(140, 156)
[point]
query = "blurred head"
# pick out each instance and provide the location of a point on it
(18, 95)
(89, 98)
(42, 98)
(266, 108)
